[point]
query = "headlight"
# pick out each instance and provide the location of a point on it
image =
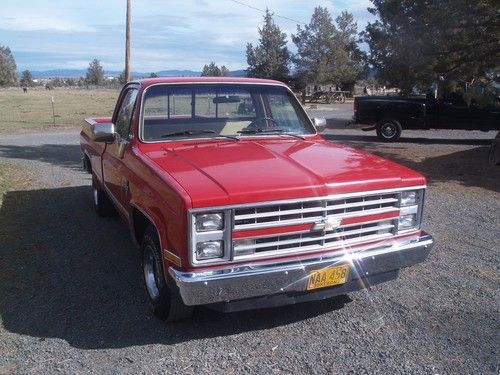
(410, 207)
(209, 250)
(209, 222)
(409, 198)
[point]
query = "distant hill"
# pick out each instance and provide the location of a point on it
(76, 73)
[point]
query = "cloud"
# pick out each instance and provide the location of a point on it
(41, 22)
(165, 35)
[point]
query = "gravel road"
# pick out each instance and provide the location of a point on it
(71, 299)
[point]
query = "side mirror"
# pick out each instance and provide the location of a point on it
(103, 132)
(319, 124)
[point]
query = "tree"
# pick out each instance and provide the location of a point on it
(271, 57)
(327, 53)
(224, 72)
(420, 42)
(153, 75)
(350, 60)
(211, 70)
(8, 68)
(95, 73)
(314, 42)
(26, 79)
(122, 78)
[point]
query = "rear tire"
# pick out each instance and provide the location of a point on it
(389, 130)
(102, 204)
(165, 302)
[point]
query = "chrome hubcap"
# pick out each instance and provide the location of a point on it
(150, 274)
(388, 130)
(96, 196)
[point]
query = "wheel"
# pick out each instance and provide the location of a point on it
(492, 157)
(389, 130)
(341, 99)
(102, 203)
(165, 302)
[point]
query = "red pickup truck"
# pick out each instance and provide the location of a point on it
(236, 201)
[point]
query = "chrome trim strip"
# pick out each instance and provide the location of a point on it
(116, 202)
(312, 239)
(315, 209)
(315, 248)
(308, 230)
(279, 223)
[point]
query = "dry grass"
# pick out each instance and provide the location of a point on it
(33, 111)
(13, 177)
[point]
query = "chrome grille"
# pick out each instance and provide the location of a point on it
(313, 211)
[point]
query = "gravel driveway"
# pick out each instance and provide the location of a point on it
(71, 298)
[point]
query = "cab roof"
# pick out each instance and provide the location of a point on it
(170, 80)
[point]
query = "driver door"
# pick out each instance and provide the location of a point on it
(112, 159)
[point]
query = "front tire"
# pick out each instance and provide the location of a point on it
(389, 130)
(165, 302)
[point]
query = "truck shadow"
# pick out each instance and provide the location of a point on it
(56, 154)
(467, 167)
(65, 273)
(372, 138)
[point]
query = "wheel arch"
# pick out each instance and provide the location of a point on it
(139, 220)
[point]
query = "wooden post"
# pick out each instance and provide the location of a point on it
(127, 44)
(53, 110)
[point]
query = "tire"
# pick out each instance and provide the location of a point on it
(165, 302)
(491, 157)
(389, 130)
(102, 204)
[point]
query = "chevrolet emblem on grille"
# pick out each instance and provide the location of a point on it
(327, 224)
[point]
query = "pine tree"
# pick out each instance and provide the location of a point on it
(224, 72)
(416, 43)
(211, 70)
(26, 79)
(8, 68)
(328, 52)
(95, 73)
(315, 46)
(271, 57)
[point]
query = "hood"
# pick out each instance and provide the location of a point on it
(217, 173)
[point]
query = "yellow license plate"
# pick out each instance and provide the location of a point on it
(328, 277)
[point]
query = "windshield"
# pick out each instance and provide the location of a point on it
(221, 110)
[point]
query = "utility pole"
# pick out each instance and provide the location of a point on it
(127, 45)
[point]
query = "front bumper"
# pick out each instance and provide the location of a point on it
(249, 281)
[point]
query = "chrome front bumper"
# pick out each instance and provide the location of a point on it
(247, 281)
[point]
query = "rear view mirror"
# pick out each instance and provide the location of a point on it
(227, 99)
(319, 124)
(102, 132)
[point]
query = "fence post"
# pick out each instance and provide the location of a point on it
(53, 111)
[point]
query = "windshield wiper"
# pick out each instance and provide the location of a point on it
(269, 131)
(187, 132)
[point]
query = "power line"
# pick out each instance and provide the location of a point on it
(263, 11)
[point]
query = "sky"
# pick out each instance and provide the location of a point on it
(166, 34)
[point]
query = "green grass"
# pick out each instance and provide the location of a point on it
(20, 112)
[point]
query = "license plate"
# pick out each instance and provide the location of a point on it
(328, 277)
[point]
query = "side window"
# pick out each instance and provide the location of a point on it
(125, 114)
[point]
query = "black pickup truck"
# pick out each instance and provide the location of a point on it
(390, 115)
